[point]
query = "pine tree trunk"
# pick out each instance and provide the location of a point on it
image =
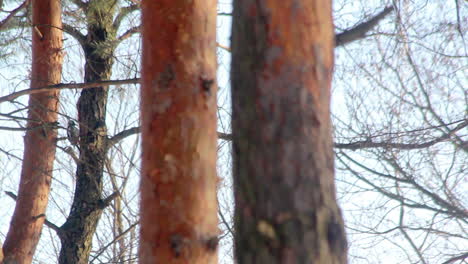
(282, 64)
(40, 139)
(178, 109)
(77, 232)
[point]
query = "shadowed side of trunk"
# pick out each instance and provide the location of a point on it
(286, 210)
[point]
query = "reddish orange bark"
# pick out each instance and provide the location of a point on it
(282, 65)
(40, 138)
(178, 184)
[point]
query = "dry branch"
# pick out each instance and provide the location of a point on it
(62, 86)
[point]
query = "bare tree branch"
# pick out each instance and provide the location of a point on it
(429, 105)
(224, 136)
(367, 143)
(225, 222)
(352, 146)
(129, 33)
(117, 238)
(443, 206)
(226, 48)
(457, 5)
(69, 150)
(407, 237)
(43, 126)
(80, 3)
(46, 222)
(405, 201)
(105, 202)
(456, 258)
(454, 210)
(13, 13)
(121, 135)
(75, 33)
(359, 31)
(135, 130)
(124, 11)
(355, 33)
(61, 86)
(370, 144)
(8, 154)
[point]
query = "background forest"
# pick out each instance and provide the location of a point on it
(399, 113)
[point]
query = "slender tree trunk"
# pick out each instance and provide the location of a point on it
(178, 109)
(286, 210)
(77, 232)
(40, 139)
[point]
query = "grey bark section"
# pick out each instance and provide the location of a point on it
(77, 232)
(286, 209)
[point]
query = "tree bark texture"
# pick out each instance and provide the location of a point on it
(282, 64)
(40, 139)
(77, 232)
(179, 140)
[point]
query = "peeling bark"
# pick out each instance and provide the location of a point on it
(282, 64)
(39, 144)
(178, 110)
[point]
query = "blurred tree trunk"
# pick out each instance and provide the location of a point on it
(178, 108)
(282, 64)
(40, 139)
(77, 232)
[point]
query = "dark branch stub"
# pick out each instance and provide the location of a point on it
(359, 31)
